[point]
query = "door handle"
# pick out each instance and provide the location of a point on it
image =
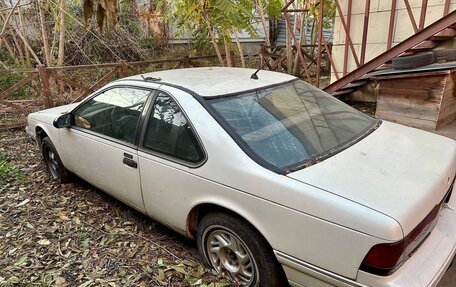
(130, 162)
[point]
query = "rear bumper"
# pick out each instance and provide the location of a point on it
(425, 268)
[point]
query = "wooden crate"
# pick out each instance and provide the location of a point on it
(424, 100)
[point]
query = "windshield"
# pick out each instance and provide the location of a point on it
(292, 125)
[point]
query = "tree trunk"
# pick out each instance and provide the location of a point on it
(289, 51)
(214, 43)
(241, 52)
(263, 22)
(302, 41)
(212, 34)
(28, 47)
(228, 56)
(8, 47)
(44, 34)
(16, 43)
(6, 21)
(61, 53)
(21, 23)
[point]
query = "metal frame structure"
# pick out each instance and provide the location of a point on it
(345, 77)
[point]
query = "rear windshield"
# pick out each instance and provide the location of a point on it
(292, 125)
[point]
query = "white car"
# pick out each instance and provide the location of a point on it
(278, 182)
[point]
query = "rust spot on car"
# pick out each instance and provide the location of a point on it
(192, 223)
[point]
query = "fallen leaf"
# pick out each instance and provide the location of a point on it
(44, 242)
(24, 202)
(21, 261)
(13, 279)
(87, 283)
(60, 282)
(62, 216)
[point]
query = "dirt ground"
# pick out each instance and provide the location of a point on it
(76, 235)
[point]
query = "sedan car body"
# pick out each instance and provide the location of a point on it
(265, 171)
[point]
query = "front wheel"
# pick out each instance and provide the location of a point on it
(237, 250)
(54, 165)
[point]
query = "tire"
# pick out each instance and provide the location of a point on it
(54, 165)
(413, 61)
(237, 244)
(445, 55)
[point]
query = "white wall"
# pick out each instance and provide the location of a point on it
(378, 28)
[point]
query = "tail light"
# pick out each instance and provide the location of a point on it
(383, 259)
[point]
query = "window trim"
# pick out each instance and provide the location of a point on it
(133, 145)
(162, 155)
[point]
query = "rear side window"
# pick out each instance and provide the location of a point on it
(169, 132)
(114, 113)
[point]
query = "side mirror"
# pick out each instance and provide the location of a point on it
(64, 121)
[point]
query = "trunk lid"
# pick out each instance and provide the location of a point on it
(399, 171)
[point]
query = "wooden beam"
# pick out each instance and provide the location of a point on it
(395, 51)
(44, 83)
(410, 13)
(328, 51)
(320, 40)
(11, 105)
(17, 86)
(104, 80)
(423, 13)
(446, 8)
(391, 24)
(15, 125)
(69, 82)
(347, 32)
(349, 10)
(365, 30)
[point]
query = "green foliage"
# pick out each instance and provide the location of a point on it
(7, 171)
(272, 8)
(148, 44)
(329, 11)
(8, 79)
(224, 17)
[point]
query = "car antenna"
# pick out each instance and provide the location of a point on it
(254, 75)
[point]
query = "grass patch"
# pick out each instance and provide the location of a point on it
(8, 172)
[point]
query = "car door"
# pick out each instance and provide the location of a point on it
(168, 151)
(101, 145)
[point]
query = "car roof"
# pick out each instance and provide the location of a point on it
(215, 81)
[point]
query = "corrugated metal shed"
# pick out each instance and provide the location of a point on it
(281, 38)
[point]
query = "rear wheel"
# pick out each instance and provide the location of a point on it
(54, 165)
(237, 250)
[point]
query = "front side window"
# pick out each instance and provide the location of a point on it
(291, 125)
(114, 113)
(168, 132)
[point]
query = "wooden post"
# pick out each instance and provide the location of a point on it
(124, 69)
(320, 40)
(44, 83)
(391, 25)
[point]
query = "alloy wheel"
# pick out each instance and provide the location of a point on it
(230, 256)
